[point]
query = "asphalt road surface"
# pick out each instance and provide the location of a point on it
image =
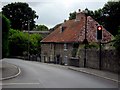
(40, 75)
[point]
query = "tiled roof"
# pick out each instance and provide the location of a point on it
(74, 31)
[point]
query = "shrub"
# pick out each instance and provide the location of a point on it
(5, 35)
(117, 42)
(19, 43)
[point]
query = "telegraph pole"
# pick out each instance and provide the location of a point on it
(85, 40)
(0, 38)
(28, 39)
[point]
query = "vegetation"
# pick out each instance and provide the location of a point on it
(5, 35)
(18, 43)
(111, 13)
(35, 43)
(41, 28)
(14, 41)
(19, 14)
(92, 45)
(117, 42)
(72, 15)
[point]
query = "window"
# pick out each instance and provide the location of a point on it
(50, 46)
(62, 28)
(65, 46)
(81, 18)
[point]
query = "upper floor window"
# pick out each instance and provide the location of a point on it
(61, 29)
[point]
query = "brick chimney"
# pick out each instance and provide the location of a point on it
(80, 15)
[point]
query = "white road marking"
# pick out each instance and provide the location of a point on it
(19, 83)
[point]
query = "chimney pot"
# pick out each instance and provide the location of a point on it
(79, 10)
(65, 20)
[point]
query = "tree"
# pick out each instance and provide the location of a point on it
(111, 13)
(117, 46)
(5, 34)
(117, 41)
(97, 15)
(41, 28)
(35, 43)
(18, 43)
(20, 14)
(108, 16)
(72, 15)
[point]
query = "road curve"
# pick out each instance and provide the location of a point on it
(40, 75)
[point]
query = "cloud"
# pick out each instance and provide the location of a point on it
(52, 12)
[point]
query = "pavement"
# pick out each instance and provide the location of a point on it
(103, 74)
(100, 73)
(10, 71)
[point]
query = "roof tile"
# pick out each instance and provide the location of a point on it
(74, 31)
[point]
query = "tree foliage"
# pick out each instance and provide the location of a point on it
(41, 28)
(108, 16)
(18, 43)
(19, 14)
(5, 34)
(72, 15)
(111, 13)
(117, 41)
(35, 43)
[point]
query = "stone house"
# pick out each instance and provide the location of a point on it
(58, 46)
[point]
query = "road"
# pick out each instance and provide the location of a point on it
(40, 75)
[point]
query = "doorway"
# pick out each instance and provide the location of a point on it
(58, 59)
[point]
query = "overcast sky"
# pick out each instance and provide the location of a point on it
(52, 12)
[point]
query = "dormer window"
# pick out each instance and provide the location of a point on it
(62, 29)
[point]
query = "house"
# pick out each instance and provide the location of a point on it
(58, 46)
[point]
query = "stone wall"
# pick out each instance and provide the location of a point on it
(55, 53)
(109, 59)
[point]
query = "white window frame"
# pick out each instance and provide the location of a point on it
(65, 46)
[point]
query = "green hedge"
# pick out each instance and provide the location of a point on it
(5, 35)
(18, 43)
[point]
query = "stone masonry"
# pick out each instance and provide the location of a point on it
(109, 59)
(55, 53)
